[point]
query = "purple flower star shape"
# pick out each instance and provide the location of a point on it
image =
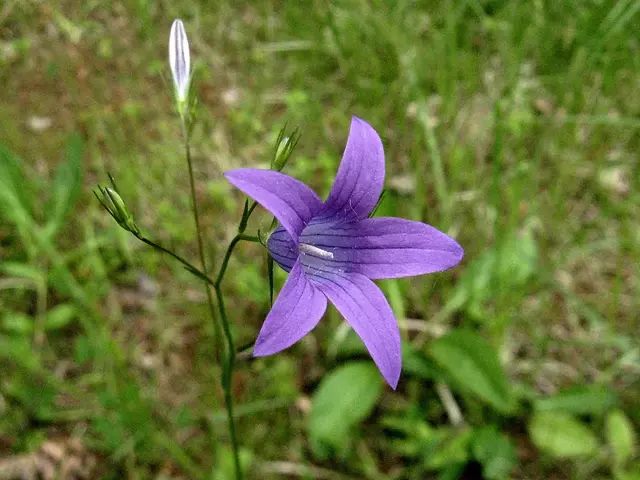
(333, 250)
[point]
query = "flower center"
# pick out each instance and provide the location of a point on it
(305, 248)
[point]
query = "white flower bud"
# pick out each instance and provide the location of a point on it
(180, 60)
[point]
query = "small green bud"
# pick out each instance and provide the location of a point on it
(113, 202)
(116, 203)
(284, 149)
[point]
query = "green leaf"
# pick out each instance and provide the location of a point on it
(631, 473)
(344, 398)
(19, 350)
(561, 435)
(393, 291)
(350, 345)
(497, 272)
(23, 270)
(82, 350)
(474, 366)
(452, 472)
(60, 316)
(225, 463)
(270, 275)
(66, 185)
(620, 437)
(414, 362)
(419, 365)
(14, 191)
(451, 450)
(580, 400)
(18, 323)
(495, 452)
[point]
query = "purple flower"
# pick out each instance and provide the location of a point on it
(333, 251)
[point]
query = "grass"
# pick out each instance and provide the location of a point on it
(512, 126)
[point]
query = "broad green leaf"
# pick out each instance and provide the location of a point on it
(580, 400)
(474, 366)
(495, 452)
(561, 435)
(620, 437)
(66, 185)
(60, 316)
(344, 398)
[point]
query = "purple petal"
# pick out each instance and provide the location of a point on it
(360, 177)
(283, 248)
(380, 248)
(298, 309)
(288, 199)
(364, 307)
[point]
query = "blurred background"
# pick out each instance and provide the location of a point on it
(513, 126)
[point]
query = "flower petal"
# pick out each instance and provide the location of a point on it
(283, 248)
(382, 247)
(298, 309)
(360, 177)
(364, 307)
(288, 199)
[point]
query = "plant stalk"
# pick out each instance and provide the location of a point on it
(228, 364)
(227, 374)
(196, 218)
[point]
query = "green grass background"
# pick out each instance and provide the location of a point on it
(514, 126)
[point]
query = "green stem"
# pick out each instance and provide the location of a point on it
(196, 218)
(437, 166)
(189, 266)
(227, 374)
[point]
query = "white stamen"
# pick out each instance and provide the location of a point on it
(318, 252)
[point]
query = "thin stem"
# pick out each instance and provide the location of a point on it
(216, 327)
(436, 164)
(189, 266)
(196, 218)
(227, 374)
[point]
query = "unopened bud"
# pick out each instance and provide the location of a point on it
(284, 149)
(113, 202)
(180, 62)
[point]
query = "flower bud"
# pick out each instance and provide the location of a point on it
(116, 203)
(113, 202)
(284, 149)
(180, 62)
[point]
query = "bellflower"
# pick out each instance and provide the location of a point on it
(180, 60)
(333, 250)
